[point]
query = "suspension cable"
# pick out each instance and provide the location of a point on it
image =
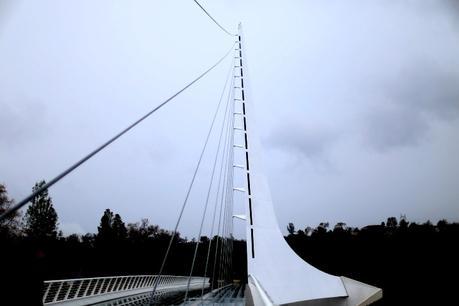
(220, 200)
(223, 163)
(223, 271)
(231, 205)
(221, 212)
(213, 19)
(185, 201)
(231, 209)
(215, 212)
(211, 182)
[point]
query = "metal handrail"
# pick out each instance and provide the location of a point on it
(104, 288)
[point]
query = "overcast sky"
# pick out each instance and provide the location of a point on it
(357, 101)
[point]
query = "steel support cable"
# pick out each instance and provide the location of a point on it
(158, 277)
(223, 230)
(213, 19)
(224, 212)
(221, 171)
(219, 227)
(230, 204)
(87, 157)
(221, 201)
(228, 165)
(227, 212)
(210, 184)
(223, 233)
(231, 214)
(223, 193)
(215, 211)
(223, 164)
(224, 251)
(225, 218)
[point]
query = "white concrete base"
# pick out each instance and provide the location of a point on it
(359, 294)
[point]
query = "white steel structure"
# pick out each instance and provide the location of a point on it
(277, 276)
(86, 291)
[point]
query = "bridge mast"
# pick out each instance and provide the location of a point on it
(277, 276)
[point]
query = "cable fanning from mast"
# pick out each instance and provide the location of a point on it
(228, 189)
(213, 19)
(185, 202)
(217, 153)
(221, 200)
(223, 163)
(223, 166)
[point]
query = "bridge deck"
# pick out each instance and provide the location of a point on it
(228, 295)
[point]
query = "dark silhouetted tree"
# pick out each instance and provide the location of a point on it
(41, 217)
(403, 224)
(111, 228)
(291, 228)
(391, 222)
(340, 227)
(442, 224)
(204, 239)
(88, 239)
(142, 231)
(10, 225)
(322, 228)
(105, 230)
(119, 228)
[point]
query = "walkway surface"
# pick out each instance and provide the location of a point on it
(229, 295)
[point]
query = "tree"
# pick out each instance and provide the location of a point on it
(119, 229)
(41, 217)
(403, 224)
(391, 222)
(9, 225)
(322, 228)
(291, 228)
(104, 231)
(112, 228)
(442, 224)
(142, 231)
(340, 227)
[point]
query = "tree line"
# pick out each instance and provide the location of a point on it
(40, 223)
(414, 263)
(34, 250)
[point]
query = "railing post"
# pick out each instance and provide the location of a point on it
(45, 295)
(130, 283)
(87, 288)
(57, 292)
(69, 290)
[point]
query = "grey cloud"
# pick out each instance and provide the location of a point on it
(429, 90)
(394, 127)
(21, 121)
(453, 7)
(5, 11)
(418, 96)
(309, 141)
